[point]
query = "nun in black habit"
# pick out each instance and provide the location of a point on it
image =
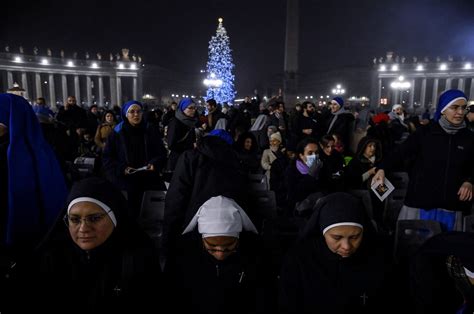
(338, 266)
(218, 269)
(95, 259)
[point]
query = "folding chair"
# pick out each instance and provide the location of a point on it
(393, 205)
(399, 179)
(468, 225)
(152, 214)
(411, 234)
(258, 182)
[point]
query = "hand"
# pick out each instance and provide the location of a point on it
(379, 176)
(307, 131)
(372, 171)
(150, 167)
(465, 192)
(129, 170)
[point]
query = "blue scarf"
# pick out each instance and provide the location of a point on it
(36, 187)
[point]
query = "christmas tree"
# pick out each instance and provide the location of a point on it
(220, 80)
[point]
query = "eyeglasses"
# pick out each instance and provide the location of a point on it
(229, 248)
(457, 107)
(135, 112)
(75, 221)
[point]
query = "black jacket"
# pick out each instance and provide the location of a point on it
(211, 169)
(117, 157)
(180, 138)
(440, 163)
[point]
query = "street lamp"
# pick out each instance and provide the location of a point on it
(212, 83)
(338, 90)
(400, 85)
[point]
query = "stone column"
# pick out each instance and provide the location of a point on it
(448, 83)
(412, 95)
(290, 80)
(39, 91)
(113, 91)
(140, 85)
(379, 92)
(471, 92)
(89, 90)
(396, 93)
(423, 93)
(52, 92)
(24, 84)
(77, 89)
(461, 84)
(434, 99)
(101, 92)
(9, 79)
(119, 91)
(64, 87)
(135, 89)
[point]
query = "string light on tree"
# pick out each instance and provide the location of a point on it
(220, 80)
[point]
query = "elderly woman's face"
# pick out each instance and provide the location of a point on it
(134, 115)
(343, 240)
(89, 225)
(220, 247)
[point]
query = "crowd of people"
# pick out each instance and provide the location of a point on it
(76, 234)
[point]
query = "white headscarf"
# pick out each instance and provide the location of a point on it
(220, 216)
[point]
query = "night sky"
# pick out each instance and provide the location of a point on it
(175, 34)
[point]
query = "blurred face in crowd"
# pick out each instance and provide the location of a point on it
(274, 142)
(310, 149)
(343, 240)
(109, 118)
(71, 101)
(248, 143)
(210, 107)
(40, 102)
(328, 148)
(369, 150)
(190, 111)
(220, 247)
(455, 112)
(94, 110)
(3, 130)
(310, 108)
(89, 225)
(470, 116)
(134, 115)
(247, 99)
(174, 106)
(398, 111)
(334, 106)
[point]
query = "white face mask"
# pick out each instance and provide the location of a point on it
(310, 159)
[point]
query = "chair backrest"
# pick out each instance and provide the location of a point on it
(393, 205)
(263, 204)
(153, 205)
(364, 195)
(399, 179)
(468, 223)
(411, 234)
(152, 214)
(258, 182)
